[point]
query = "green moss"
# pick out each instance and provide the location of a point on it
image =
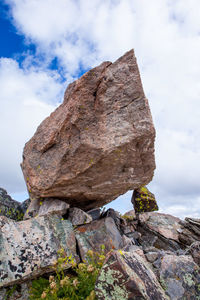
(128, 218)
(12, 213)
(163, 283)
(188, 279)
(10, 291)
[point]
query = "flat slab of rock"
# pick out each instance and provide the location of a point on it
(29, 248)
(98, 144)
(159, 230)
(126, 275)
(166, 225)
(53, 206)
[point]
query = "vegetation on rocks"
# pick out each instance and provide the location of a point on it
(77, 285)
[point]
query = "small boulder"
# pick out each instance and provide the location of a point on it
(33, 209)
(143, 200)
(78, 217)
(151, 256)
(130, 215)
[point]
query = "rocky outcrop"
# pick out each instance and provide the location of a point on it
(11, 208)
(98, 144)
(145, 254)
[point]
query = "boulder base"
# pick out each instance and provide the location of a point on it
(98, 144)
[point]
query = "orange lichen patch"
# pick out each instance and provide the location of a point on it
(81, 229)
(111, 243)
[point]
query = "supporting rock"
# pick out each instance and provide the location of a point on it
(78, 216)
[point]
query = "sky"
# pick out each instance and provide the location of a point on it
(46, 44)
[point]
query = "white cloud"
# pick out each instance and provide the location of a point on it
(27, 97)
(166, 37)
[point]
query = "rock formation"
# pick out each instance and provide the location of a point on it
(98, 144)
(147, 256)
(12, 208)
(95, 146)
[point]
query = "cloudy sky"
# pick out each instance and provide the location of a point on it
(45, 44)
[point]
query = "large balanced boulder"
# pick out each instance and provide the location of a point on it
(98, 144)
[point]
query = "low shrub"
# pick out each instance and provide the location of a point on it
(77, 285)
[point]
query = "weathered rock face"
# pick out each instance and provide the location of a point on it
(194, 250)
(180, 277)
(29, 248)
(148, 259)
(99, 232)
(126, 275)
(160, 231)
(190, 231)
(98, 144)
